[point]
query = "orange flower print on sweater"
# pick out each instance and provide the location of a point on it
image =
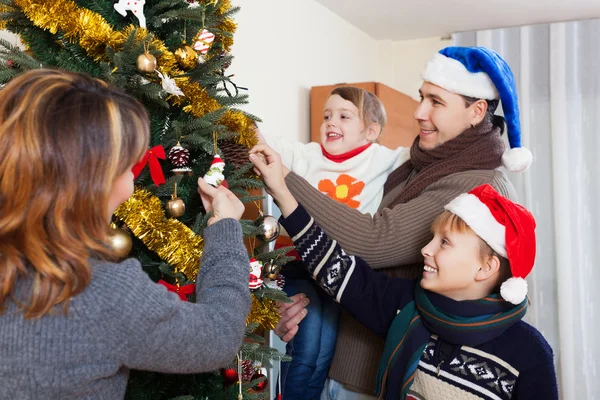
(344, 190)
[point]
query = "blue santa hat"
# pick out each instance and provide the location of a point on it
(481, 73)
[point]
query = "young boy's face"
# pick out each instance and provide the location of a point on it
(342, 129)
(452, 261)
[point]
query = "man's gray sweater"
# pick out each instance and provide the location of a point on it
(124, 321)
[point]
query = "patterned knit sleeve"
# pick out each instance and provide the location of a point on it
(371, 297)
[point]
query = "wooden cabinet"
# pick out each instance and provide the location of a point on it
(401, 128)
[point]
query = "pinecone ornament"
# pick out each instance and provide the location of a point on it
(179, 156)
(247, 370)
(234, 153)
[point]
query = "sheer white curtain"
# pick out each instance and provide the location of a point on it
(557, 68)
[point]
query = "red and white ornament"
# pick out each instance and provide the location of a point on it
(203, 41)
(180, 157)
(135, 6)
(255, 274)
(214, 176)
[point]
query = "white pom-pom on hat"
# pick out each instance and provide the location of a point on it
(517, 159)
(514, 290)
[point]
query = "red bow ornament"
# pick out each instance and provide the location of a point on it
(151, 157)
(182, 291)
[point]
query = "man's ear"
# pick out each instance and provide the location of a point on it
(479, 110)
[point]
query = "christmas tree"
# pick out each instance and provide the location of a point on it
(172, 55)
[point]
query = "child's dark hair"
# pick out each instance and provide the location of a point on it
(369, 106)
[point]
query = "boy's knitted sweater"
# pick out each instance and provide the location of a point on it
(124, 321)
(516, 365)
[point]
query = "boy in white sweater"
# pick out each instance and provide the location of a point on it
(351, 168)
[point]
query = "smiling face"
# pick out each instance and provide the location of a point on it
(457, 263)
(343, 129)
(443, 115)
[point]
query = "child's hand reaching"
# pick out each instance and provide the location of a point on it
(220, 201)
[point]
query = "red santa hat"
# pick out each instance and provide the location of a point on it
(507, 227)
(217, 161)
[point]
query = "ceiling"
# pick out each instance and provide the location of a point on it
(405, 20)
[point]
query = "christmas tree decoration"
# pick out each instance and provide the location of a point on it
(172, 240)
(169, 85)
(230, 375)
(255, 280)
(280, 281)
(259, 374)
(135, 6)
(203, 41)
(234, 153)
(146, 63)
(214, 176)
(175, 206)
(119, 241)
(179, 156)
(30, 53)
(279, 395)
(228, 63)
(264, 313)
(269, 227)
(151, 158)
(182, 291)
(186, 57)
(247, 370)
(271, 270)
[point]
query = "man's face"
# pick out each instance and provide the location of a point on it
(442, 116)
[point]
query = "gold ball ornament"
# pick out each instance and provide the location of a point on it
(119, 241)
(269, 227)
(175, 207)
(146, 63)
(30, 53)
(186, 57)
(271, 270)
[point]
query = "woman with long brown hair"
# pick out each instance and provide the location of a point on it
(73, 321)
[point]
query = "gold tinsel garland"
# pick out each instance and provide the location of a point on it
(264, 312)
(93, 34)
(171, 239)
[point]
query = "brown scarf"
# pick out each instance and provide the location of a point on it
(480, 147)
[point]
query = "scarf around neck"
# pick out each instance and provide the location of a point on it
(469, 323)
(480, 147)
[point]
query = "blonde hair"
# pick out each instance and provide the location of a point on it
(454, 223)
(64, 139)
(370, 108)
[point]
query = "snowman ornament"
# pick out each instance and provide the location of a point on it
(214, 176)
(135, 6)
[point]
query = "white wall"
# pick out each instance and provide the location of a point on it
(10, 37)
(284, 47)
(399, 64)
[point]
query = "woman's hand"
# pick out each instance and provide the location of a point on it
(220, 201)
(267, 163)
